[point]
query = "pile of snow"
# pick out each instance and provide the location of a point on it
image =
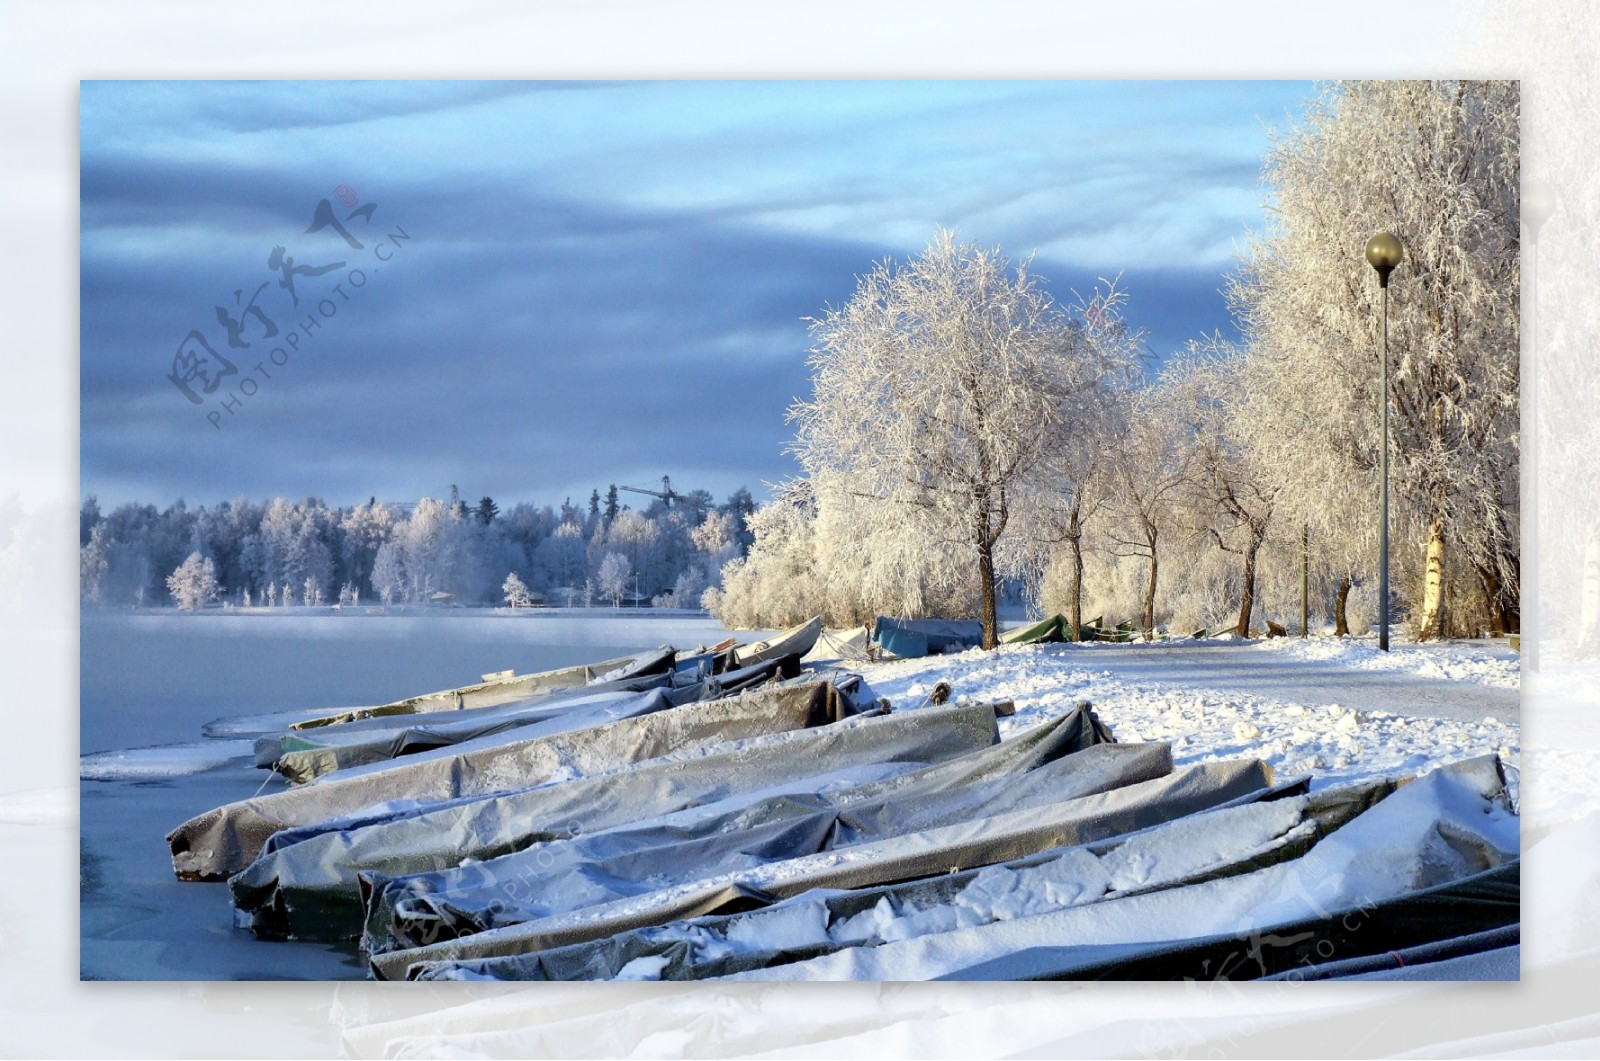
(1331, 742)
(1475, 662)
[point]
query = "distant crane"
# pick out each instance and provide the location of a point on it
(666, 493)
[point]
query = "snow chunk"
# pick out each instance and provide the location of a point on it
(648, 967)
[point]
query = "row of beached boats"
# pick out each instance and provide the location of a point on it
(757, 812)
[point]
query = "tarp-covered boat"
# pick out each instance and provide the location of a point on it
(914, 638)
(1439, 830)
(304, 885)
(223, 841)
(1049, 629)
(738, 832)
(849, 646)
(795, 641)
(1005, 836)
(303, 755)
(1265, 827)
(491, 692)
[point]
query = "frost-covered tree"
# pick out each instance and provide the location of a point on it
(88, 518)
(688, 589)
(943, 391)
(613, 577)
(562, 556)
(388, 573)
(1148, 482)
(194, 583)
(1055, 543)
(93, 564)
(363, 531)
(1437, 163)
(778, 583)
(717, 542)
(311, 550)
(640, 540)
(1229, 495)
(516, 591)
(429, 549)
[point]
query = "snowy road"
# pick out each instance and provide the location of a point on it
(1252, 670)
(1335, 709)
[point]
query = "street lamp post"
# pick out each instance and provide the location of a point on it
(1384, 252)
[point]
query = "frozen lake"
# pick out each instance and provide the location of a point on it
(156, 678)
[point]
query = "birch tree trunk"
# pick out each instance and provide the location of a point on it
(1433, 585)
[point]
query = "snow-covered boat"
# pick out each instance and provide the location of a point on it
(829, 810)
(503, 689)
(797, 640)
(850, 646)
(305, 884)
(222, 841)
(1112, 789)
(1276, 882)
(307, 754)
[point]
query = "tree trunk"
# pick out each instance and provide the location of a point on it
(1433, 585)
(1508, 576)
(1076, 531)
(1248, 590)
(1150, 600)
(1493, 599)
(1341, 620)
(991, 626)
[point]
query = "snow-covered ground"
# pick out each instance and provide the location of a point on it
(1306, 707)
(1474, 663)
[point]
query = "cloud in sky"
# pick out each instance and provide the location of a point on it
(605, 282)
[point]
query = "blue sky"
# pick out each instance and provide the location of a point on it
(603, 281)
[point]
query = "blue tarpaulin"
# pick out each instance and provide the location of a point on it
(910, 638)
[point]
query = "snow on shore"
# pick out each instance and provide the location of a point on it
(1452, 661)
(1205, 721)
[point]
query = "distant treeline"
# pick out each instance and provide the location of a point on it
(282, 552)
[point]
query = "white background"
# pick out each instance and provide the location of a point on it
(46, 48)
